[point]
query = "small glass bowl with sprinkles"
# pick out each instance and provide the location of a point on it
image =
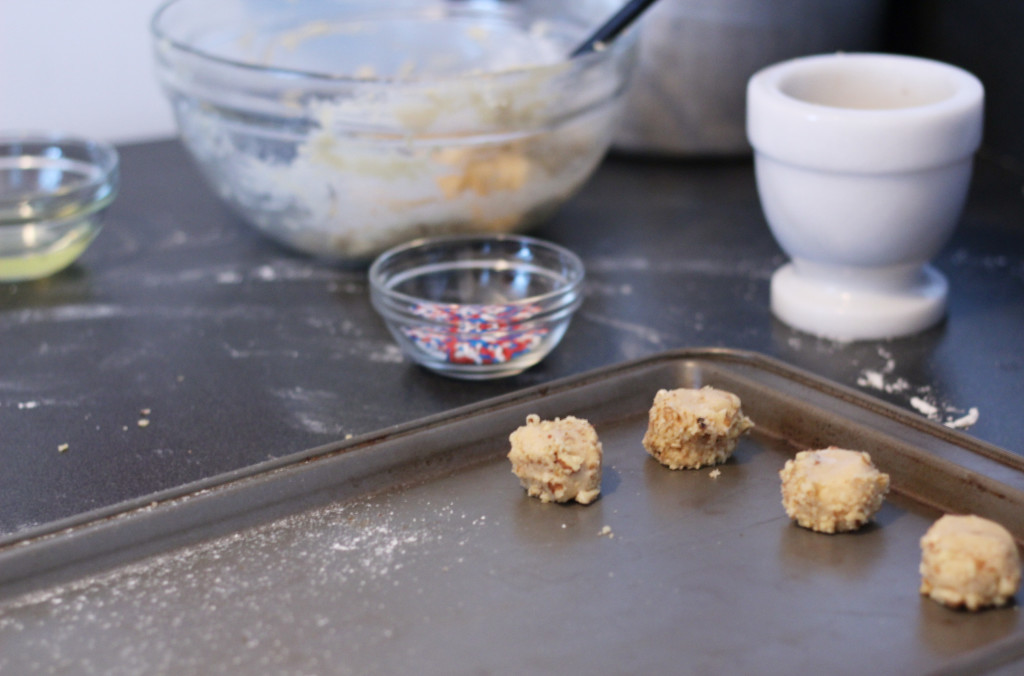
(477, 306)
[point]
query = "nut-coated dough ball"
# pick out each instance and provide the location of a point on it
(690, 428)
(832, 490)
(969, 562)
(557, 460)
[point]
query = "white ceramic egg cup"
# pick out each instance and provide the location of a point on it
(863, 163)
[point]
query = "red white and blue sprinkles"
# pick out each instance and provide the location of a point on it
(474, 334)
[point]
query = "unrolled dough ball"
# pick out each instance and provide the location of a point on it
(832, 490)
(690, 428)
(557, 460)
(968, 561)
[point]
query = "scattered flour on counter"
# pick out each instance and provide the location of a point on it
(385, 354)
(645, 333)
(926, 409)
(965, 421)
(697, 266)
(611, 290)
(33, 404)
(920, 398)
(880, 379)
(229, 277)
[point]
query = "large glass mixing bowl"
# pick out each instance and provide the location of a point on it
(343, 127)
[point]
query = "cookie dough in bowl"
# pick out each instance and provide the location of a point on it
(832, 490)
(557, 460)
(969, 562)
(342, 129)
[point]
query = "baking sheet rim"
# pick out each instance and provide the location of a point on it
(226, 480)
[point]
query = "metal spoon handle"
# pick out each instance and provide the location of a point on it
(611, 28)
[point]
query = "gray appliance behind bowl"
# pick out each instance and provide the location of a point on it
(687, 96)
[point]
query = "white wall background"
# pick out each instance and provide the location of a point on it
(80, 66)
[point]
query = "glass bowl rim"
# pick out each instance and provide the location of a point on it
(102, 155)
(569, 290)
(162, 36)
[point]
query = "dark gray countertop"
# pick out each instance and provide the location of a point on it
(236, 351)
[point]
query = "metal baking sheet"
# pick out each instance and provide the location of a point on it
(414, 550)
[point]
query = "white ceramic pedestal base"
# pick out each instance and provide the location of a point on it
(847, 312)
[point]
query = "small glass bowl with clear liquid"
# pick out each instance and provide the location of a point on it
(477, 307)
(53, 192)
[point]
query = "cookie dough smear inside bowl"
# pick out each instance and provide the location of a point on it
(342, 128)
